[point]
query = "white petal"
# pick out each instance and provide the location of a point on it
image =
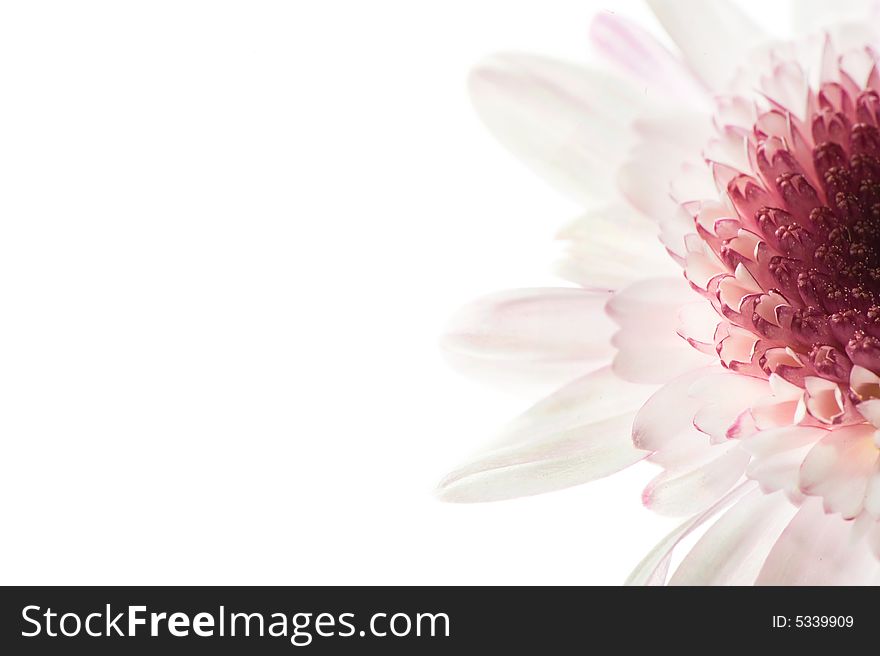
(641, 55)
(646, 187)
(646, 178)
(650, 350)
(838, 468)
(580, 433)
(824, 400)
(777, 456)
(693, 182)
(819, 549)
(873, 539)
(714, 35)
(864, 382)
(725, 397)
(872, 495)
(657, 299)
(665, 424)
(613, 247)
(812, 16)
(666, 142)
(654, 358)
(697, 323)
(667, 417)
(570, 124)
(571, 458)
(782, 408)
(677, 492)
(675, 229)
(553, 333)
(734, 549)
(653, 567)
(870, 410)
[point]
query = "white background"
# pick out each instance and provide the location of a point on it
(231, 235)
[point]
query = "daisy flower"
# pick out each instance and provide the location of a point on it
(726, 319)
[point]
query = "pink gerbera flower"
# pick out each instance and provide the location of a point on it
(733, 239)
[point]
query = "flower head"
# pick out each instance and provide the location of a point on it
(733, 240)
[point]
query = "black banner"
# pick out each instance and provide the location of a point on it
(428, 620)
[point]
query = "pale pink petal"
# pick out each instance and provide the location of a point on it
(873, 539)
(698, 323)
(596, 396)
(864, 382)
(552, 333)
(571, 458)
(811, 16)
(729, 148)
(783, 407)
(649, 349)
(653, 568)
(777, 456)
(702, 267)
(684, 492)
(735, 111)
(675, 229)
(872, 494)
(870, 410)
(641, 55)
(713, 35)
(642, 182)
(680, 133)
(787, 86)
(819, 549)
(734, 549)
(692, 182)
(568, 123)
(838, 468)
(647, 300)
(725, 396)
(668, 415)
(666, 141)
(824, 400)
(613, 247)
(580, 433)
(665, 426)
(654, 358)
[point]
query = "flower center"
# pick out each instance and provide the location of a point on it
(803, 254)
